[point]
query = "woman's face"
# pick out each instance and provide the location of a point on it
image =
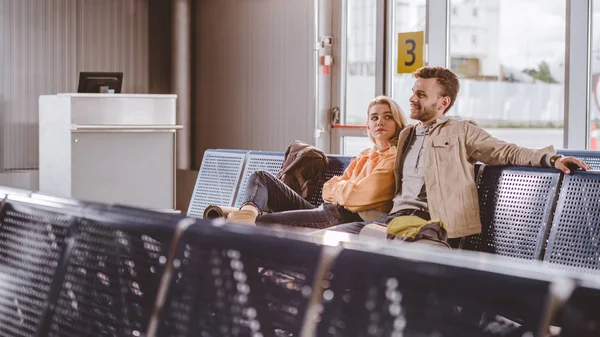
(381, 125)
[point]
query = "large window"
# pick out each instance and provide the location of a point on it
(509, 55)
(409, 17)
(361, 44)
(595, 85)
(359, 76)
(353, 146)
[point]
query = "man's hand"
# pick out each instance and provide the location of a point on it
(566, 163)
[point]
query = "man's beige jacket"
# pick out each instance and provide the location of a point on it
(453, 147)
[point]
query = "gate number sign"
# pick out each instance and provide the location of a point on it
(410, 51)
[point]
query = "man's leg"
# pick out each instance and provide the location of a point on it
(458, 243)
(352, 227)
(356, 227)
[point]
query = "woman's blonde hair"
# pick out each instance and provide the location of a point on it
(397, 116)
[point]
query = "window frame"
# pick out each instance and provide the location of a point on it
(577, 81)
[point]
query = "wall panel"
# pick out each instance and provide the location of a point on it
(254, 74)
(43, 46)
(112, 35)
(38, 53)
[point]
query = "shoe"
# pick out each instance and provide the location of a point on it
(214, 211)
(242, 216)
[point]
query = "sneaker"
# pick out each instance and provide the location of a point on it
(214, 211)
(242, 216)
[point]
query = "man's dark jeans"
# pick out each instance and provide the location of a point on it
(264, 191)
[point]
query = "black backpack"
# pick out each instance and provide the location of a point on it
(303, 168)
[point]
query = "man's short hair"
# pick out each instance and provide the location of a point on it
(447, 80)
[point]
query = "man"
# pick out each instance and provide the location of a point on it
(434, 165)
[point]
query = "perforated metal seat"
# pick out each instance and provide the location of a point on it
(33, 237)
(374, 294)
(592, 158)
(574, 241)
(217, 180)
(515, 208)
(224, 174)
(476, 168)
(238, 281)
(258, 160)
(337, 166)
(113, 272)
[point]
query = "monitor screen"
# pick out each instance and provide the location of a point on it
(100, 82)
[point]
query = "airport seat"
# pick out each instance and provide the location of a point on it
(224, 174)
(574, 241)
(516, 205)
(412, 293)
(217, 181)
(112, 272)
(591, 157)
(238, 280)
(256, 161)
(33, 242)
(272, 161)
(337, 166)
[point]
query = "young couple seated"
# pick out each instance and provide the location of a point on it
(417, 181)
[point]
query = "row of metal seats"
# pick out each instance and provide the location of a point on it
(530, 213)
(542, 214)
(223, 175)
(70, 268)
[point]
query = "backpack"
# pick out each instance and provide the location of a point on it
(303, 168)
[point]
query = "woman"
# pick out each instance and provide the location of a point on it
(363, 193)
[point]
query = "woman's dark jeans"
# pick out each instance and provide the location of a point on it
(264, 191)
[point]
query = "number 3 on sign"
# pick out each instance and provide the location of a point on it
(410, 51)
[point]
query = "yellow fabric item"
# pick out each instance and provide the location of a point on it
(408, 226)
(367, 183)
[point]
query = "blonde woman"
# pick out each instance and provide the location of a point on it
(363, 193)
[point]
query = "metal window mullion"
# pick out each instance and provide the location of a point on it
(577, 74)
(317, 69)
(324, 28)
(339, 69)
(380, 47)
(338, 52)
(436, 39)
(390, 17)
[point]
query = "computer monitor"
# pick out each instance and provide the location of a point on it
(100, 82)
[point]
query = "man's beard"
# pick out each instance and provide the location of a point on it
(426, 113)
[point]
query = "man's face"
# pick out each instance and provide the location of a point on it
(426, 103)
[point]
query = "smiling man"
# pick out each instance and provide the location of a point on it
(434, 165)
